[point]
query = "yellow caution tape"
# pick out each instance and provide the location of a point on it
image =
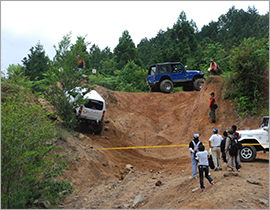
(160, 146)
(143, 147)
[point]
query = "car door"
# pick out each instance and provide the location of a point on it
(151, 74)
(179, 73)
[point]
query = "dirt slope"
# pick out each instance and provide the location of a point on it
(162, 176)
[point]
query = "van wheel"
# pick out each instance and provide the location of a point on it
(98, 127)
(166, 86)
(248, 153)
(198, 84)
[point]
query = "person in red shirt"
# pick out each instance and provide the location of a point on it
(212, 107)
(214, 67)
(79, 62)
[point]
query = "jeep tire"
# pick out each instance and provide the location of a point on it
(197, 84)
(247, 153)
(166, 86)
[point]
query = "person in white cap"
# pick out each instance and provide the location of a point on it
(193, 148)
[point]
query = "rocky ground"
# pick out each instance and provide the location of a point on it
(106, 175)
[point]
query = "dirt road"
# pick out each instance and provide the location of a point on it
(160, 177)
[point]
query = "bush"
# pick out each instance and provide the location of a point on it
(249, 62)
(29, 171)
(131, 78)
(216, 52)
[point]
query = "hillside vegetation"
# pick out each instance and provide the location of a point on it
(35, 169)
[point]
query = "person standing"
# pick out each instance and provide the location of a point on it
(237, 158)
(193, 148)
(222, 149)
(80, 63)
(230, 158)
(214, 144)
(212, 106)
(203, 166)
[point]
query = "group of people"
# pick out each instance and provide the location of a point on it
(220, 147)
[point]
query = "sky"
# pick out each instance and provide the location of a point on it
(25, 23)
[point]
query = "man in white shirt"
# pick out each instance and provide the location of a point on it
(214, 144)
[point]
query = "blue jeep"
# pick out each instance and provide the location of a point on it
(163, 77)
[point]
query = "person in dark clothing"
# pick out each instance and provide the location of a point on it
(237, 158)
(193, 148)
(212, 107)
(222, 148)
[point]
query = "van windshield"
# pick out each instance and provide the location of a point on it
(94, 104)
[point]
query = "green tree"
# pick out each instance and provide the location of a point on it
(109, 66)
(37, 63)
(63, 77)
(145, 51)
(126, 51)
(14, 70)
(79, 51)
(131, 78)
(216, 52)
(98, 57)
(95, 57)
(29, 170)
(209, 31)
(183, 38)
(248, 62)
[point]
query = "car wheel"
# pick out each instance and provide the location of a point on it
(248, 153)
(166, 86)
(198, 84)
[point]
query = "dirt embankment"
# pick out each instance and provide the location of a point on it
(161, 176)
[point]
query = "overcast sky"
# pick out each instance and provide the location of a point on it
(25, 23)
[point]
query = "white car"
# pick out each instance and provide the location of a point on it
(92, 110)
(254, 141)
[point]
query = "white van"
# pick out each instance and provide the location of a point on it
(93, 109)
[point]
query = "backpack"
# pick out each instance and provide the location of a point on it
(233, 148)
(195, 153)
(239, 144)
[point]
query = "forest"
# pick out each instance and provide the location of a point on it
(238, 42)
